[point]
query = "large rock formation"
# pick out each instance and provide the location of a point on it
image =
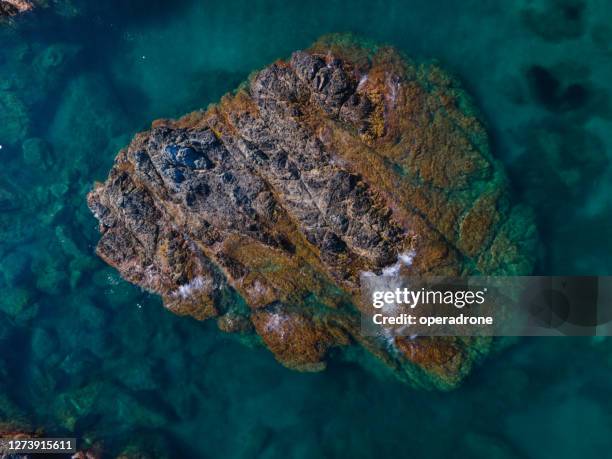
(263, 210)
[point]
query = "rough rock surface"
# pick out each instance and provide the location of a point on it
(319, 168)
(10, 8)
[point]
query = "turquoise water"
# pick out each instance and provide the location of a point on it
(83, 353)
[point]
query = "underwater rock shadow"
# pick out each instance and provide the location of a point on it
(555, 20)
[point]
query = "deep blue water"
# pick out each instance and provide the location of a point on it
(83, 353)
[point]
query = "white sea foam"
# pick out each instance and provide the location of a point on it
(394, 87)
(196, 284)
(362, 81)
(407, 258)
(276, 324)
(258, 289)
(388, 337)
(403, 259)
(392, 270)
(389, 280)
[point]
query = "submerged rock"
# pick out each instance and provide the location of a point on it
(555, 20)
(88, 110)
(14, 119)
(330, 164)
(36, 153)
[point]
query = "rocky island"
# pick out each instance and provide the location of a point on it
(263, 211)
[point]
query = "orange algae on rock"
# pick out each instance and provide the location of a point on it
(299, 341)
(264, 210)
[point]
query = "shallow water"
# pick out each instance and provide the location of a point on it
(83, 353)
